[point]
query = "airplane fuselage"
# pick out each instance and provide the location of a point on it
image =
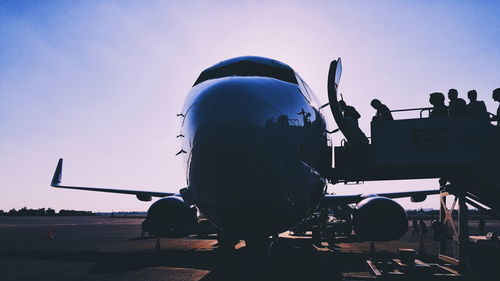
(255, 146)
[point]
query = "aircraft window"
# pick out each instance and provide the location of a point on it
(249, 67)
(303, 88)
(306, 91)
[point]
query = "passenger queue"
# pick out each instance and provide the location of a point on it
(456, 106)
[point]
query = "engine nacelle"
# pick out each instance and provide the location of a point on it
(379, 219)
(170, 217)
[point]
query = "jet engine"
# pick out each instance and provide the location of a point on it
(379, 219)
(170, 217)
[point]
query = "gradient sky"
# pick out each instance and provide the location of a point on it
(99, 83)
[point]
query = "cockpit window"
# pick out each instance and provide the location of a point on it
(249, 66)
(306, 91)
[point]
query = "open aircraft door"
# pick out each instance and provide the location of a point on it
(351, 131)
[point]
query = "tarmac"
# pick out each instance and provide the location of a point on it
(101, 248)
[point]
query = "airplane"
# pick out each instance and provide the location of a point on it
(258, 159)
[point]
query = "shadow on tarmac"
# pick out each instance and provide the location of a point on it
(290, 259)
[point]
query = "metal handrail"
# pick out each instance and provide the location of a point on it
(343, 142)
(412, 109)
(426, 109)
(422, 109)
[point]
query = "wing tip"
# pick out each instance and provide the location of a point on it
(56, 179)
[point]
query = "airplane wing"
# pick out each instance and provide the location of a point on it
(336, 200)
(141, 195)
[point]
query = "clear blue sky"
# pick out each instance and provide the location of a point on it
(100, 82)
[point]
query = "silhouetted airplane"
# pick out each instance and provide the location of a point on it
(258, 159)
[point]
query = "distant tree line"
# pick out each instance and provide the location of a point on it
(428, 214)
(44, 212)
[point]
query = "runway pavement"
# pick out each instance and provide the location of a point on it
(99, 248)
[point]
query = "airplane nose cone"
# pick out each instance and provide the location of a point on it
(236, 178)
(234, 170)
